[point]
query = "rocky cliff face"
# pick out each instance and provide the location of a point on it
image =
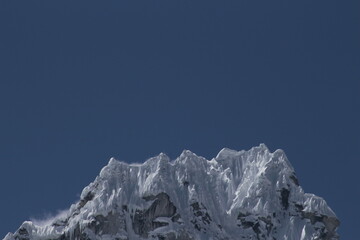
(237, 195)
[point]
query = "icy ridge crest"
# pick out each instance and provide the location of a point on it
(252, 194)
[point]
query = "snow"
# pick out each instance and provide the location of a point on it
(248, 182)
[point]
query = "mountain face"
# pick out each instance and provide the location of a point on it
(237, 195)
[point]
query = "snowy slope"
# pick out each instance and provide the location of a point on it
(237, 195)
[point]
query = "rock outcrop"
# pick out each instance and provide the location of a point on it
(251, 194)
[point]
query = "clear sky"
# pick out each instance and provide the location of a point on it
(82, 81)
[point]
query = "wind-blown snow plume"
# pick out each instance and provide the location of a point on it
(252, 194)
(49, 218)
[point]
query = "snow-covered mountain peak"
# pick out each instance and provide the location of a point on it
(226, 153)
(250, 194)
(187, 154)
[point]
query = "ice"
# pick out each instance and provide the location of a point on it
(254, 186)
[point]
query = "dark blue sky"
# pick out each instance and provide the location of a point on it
(81, 81)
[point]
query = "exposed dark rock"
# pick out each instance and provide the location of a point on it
(196, 225)
(195, 206)
(257, 230)
(299, 207)
(77, 234)
(268, 224)
(201, 216)
(294, 179)
(60, 223)
(22, 234)
(262, 226)
(247, 224)
(175, 218)
(201, 211)
(243, 221)
(89, 196)
(312, 217)
(285, 198)
(330, 224)
(125, 208)
(182, 235)
(242, 215)
(110, 224)
(126, 213)
(143, 220)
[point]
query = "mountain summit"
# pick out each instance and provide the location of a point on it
(252, 194)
